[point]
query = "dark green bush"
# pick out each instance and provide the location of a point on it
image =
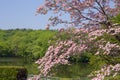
(13, 73)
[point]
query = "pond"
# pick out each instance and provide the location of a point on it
(16, 61)
(11, 61)
(67, 72)
(81, 70)
(58, 78)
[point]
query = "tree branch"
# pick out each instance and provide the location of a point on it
(102, 8)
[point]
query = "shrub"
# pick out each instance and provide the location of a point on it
(13, 73)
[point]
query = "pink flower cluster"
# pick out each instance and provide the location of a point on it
(59, 52)
(107, 48)
(41, 10)
(58, 55)
(94, 34)
(80, 11)
(106, 71)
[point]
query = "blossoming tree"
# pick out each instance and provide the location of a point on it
(104, 43)
(81, 12)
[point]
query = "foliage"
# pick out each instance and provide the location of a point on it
(21, 47)
(13, 73)
(117, 77)
(116, 19)
(32, 68)
(29, 44)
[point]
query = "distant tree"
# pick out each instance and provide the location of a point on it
(83, 13)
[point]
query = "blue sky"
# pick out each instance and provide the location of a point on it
(21, 14)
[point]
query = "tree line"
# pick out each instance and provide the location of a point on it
(25, 43)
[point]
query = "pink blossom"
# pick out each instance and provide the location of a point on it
(106, 71)
(55, 56)
(77, 9)
(60, 52)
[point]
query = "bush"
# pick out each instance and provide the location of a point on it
(13, 73)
